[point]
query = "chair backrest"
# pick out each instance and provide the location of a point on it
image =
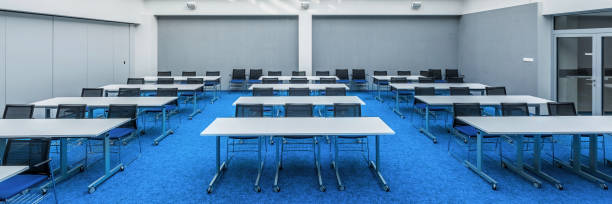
(358, 74)
(426, 80)
(298, 110)
(164, 80)
(275, 73)
(347, 110)
(561, 109)
(327, 80)
(514, 109)
(92, 92)
(263, 92)
(238, 74)
(299, 91)
(128, 92)
(335, 91)
(451, 73)
(167, 92)
(459, 91)
(213, 73)
(298, 73)
(380, 73)
(254, 74)
(322, 73)
(424, 73)
(188, 73)
(454, 79)
(124, 111)
(73, 111)
(18, 111)
(298, 80)
(424, 91)
(30, 152)
(195, 81)
(164, 73)
(399, 80)
(465, 109)
(493, 91)
(436, 74)
(270, 81)
(403, 73)
(249, 110)
(342, 74)
(135, 81)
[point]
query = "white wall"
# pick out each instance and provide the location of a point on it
(549, 7)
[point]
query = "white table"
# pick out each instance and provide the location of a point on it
(437, 86)
(303, 126)
(282, 100)
(153, 87)
(309, 78)
(544, 125)
(285, 87)
(6, 172)
(63, 129)
(494, 101)
(105, 102)
(388, 77)
(153, 79)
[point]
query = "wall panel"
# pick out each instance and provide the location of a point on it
(69, 56)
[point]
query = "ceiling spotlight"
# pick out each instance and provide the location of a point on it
(191, 5)
(304, 4)
(416, 5)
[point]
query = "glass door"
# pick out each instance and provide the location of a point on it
(606, 62)
(576, 80)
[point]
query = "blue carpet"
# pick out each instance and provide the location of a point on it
(180, 168)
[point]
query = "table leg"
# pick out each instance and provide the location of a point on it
(576, 164)
(196, 110)
(108, 170)
(64, 172)
(375, 166)
(378, 90)
(334, 163)
(220, 167)
(592, 167)
(396, 110)
(165, 131)
(425, 130)
(278, 164)
(518, 166)
(261, 164)
(537, 166)
(478, 168)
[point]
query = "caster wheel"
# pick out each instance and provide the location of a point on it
(403, 117)
(122, 168)
(386, 188)
(504, 165)
(124, 143)
(155, 143)
(370, 165)
(82, 168)
(537, 185)
(257, 189)
(43, 191)
(435, 141)
(559, 186)
(604, 186)
(332, 166)
(558, 165)
(465, 141)
(190, 118)
(171, 131)
(92, 189)
(494, 187)
(209, 190)
(322, 188)
(340, 188)
(276, 189)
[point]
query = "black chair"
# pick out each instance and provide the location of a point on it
(322, 73)
(454, 79)
(254, 75)
(327, 80)
(16, 111)
(335, 91)
(420, 106)
(343, 76)
(267, 80)
(92, 92)
(357, 143)
(120, 135)
(466, 133)
(198, 81)
(514, 109)
(568, 109)
(164, 73)
(449, 73)
(73, 111)
(298, 73)
(212, 83)
(298, 80)
(238, 79)
(403, 73)
(380, 73)
(275, 73)
(399, 80)
(128, 92)
(33, 153)
(426, 80)
(299, 91)
(169, 92)
(298, 110)
(188, 73)
(263, 92)
(164, 80)
(424, 73)
(460, 91)
(358, 77)
(495, 91)
(239, 144)
(436, 74)
(135, 81)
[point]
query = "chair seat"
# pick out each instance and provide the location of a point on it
(237, 81)
(467, 130)
(383, 83)
(120, 132)
(254, 81)
(343, 81)
(440, 81)
(19, 183)
(359, 81)
(210, 83)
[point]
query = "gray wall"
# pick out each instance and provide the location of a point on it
(493, 43)
(384, 42)
(222, 43)
(45, 56)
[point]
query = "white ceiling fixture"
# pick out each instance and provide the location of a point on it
(416, 5)
(191, 5)
(304, 4)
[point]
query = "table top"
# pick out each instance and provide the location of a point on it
(278, 87)
(442, 86)
(554, 125)
(282, 100)
(153, 87)
(483, 100)
(181, 78)
(287, 78)
(7, 172)
(56, 128)
(144, 101)
(388, 77)
(300, 126)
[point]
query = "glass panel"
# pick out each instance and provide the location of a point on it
(584, 21)
(606, 53)
(574, 72)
